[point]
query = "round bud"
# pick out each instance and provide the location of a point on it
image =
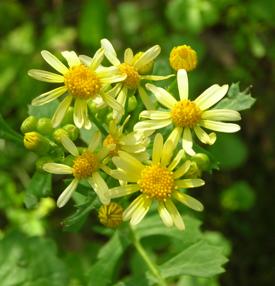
(132, 103)
(72, 130)
(202, 161)
(183, 57)
(59, 133)
(110, 215)
(44, 126)
(29, 124)
(36, 142)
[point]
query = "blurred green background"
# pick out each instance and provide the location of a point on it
(234, 40)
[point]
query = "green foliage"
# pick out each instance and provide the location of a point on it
(30, 261)
(236, 99)
(6, 132)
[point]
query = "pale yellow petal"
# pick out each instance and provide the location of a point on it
(155, 114)
(221, 115)
(124, 176)
(177, 219)
(152, 124)
(80, 108)
(123, 190)
(49, 96)
(110, 52)
(67, 193)
(176, 160)
(189, 183)
(157, 149)
(71, 57)
(162, 96)
(95, 140)
(127, 214)
(97, 59)
(61, 111)
(86, 60)
(141, 211)
(145, 98)
(128, 56)
(55, 168)
(167, 153)
(220, 126)
(147, 57)
(187, 142)
(100, 187)
(165, 215)
(131, 161)
(204, 137)
(109, 100)
(182, 81)
(188, 201)
(156, 77)
(46, 76)
(182, 169)
(211, 96)
(54, 62)
(69, 145)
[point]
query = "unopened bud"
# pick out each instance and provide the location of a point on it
(183, 57)
(110, 215)
(132, 103)
(44, 126)
(194, 171)
(72, 130)
(36, 142)
(59, 133)
(29, 124)
(202, 160)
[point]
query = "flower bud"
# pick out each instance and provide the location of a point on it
(36, 142)
(194, 171)
(44, 126)
(183, 57)
(202, 161)
(29, 124)
(59, 133)
(132, 103)
(72, 130)
(110, 215)
(144, 69)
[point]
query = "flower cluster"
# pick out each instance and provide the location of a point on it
(96, 136)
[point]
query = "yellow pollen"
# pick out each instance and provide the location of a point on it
(183, 57)
(82, 82)
(186, 113)
(84, 165)
(156, 182)
(132, 79)
(110, 215)
(110, 140)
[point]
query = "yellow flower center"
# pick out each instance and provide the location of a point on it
(183, 57)
(110, 215)
(132, 79)
(82, 82)
(110, 140)
(186, 113)
(84, 165)
(156, 182)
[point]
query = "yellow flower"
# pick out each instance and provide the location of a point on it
(80, 82)
(183, 57)
(134, 143)
(133, 68)
(86, 166)
(159, 181)
(110, 215)
(186, 115)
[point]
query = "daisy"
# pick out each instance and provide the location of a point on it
(186, 115)
(86, 166)
(134, 68)
(134, 143)
(80, 83)
(159, 181)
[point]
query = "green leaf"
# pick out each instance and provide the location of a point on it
(30, 261)
(200, 259)
(39, 187)
(230, 151)
(93, 22)
(76, 220)
(236, 99)
(6, 132)
(101, 273)
(240, 196)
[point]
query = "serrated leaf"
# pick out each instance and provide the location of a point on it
(200, 259)
(39, 187)
(30, 261)
(6, 132)
(101, 273)
(236, 99)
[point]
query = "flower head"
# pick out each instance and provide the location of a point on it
(86, 166)
(110, 215)
(183, 57)
(160, 181)
(187, 115)
(80, 82)
(134, 68)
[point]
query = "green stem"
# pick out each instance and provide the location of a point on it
(98, 124)
(151, 265)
